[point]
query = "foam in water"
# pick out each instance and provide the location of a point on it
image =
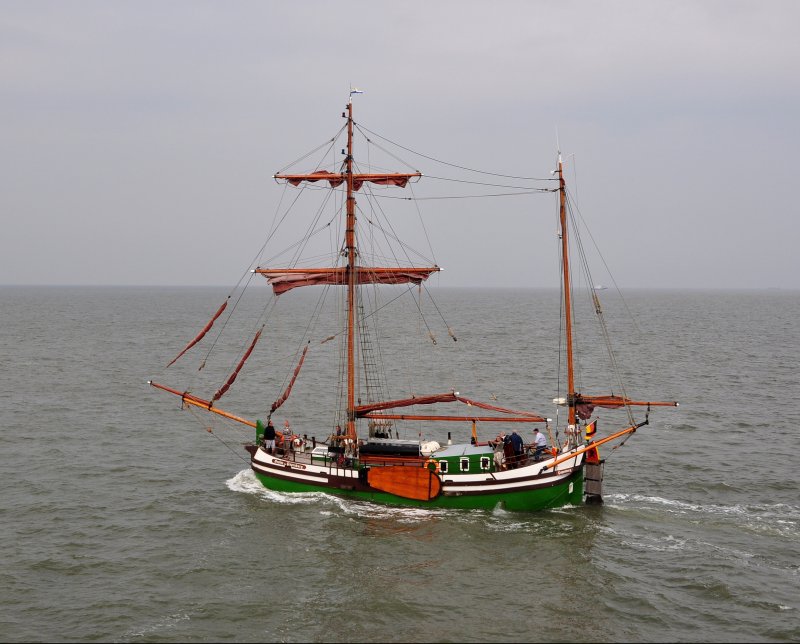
(779, 518)
(164, 624)
(247, 483)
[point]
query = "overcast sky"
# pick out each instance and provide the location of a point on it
(138, 139)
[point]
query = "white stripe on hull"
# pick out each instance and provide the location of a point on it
(508, 480)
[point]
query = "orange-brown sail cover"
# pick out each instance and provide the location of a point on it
(336, 178)
(584, 405)
(200, 335)
(221, 391)
(285, 279)
(286, 393)
(366, 411)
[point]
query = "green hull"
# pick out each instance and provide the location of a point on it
(531, 500)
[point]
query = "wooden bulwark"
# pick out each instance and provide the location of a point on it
(406, 481)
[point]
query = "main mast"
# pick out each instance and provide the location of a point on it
(351, 275)
(350, 246)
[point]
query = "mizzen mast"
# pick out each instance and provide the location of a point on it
(578, 405)
(571, 398)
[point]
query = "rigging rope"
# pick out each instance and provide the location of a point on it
(395, 237)
(237, 452)
(330, 142)
(608, 270)
(496, 194)
(491, 185)
(599, 311)
(453, 165)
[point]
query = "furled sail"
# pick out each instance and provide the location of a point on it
(584, 405)
(504, 410)
(286, 393)
(369, 411)
(285, 279)
(406, 402)
(336, 179)
(200, 335)
(221, 391)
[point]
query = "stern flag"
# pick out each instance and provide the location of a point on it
(355, 90)
(592, 455)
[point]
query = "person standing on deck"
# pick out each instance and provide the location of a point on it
(269, 437)
(517, 445)
(508, 452)
(540, 443)
(497, 446)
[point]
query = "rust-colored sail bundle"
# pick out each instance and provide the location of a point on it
(584, 405)
(335, 179)
(221, 391)
(371, 410)
(286, 393)
(482, 405)
(285, 279)
(200, 335)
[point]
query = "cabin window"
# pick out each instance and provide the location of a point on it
(443, 466)
(465, 465)
(485, 461)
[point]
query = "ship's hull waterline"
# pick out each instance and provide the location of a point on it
(521, 490)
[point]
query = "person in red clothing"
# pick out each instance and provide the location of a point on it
(508, 453)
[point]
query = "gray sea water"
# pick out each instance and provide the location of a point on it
(123, 519)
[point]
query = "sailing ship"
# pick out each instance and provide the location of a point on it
(361, 452)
